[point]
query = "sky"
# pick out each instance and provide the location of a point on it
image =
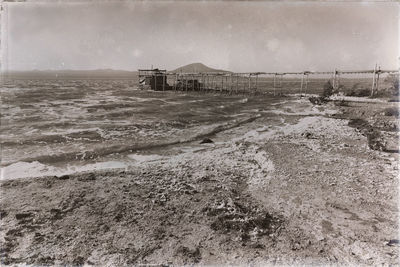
(236, 35)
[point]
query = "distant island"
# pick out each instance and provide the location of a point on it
(72, 74)
(99, 73)
(196, 67)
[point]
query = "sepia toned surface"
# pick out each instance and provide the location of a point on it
(281, 149)
(285, 188)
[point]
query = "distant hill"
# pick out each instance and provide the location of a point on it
(196, 67)
(73, 74)
(98, 73)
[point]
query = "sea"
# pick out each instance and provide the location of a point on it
(54, 127)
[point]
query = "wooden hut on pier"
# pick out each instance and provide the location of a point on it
(154, 79)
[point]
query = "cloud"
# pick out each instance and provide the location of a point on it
(240, 35)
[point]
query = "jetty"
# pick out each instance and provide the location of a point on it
(257, 82)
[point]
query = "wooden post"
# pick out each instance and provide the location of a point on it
(256, 88)
(227, 84)
(306, 87)
(244, 84)
(175, 80)
(302, 81)
(231, 84)
(237, 83)
(335, 83)
(201, 83)
(249, 83)
(334, 79)
(377, 80)
(280, 79)
(205, 83)
(373, 82)
(274, 84)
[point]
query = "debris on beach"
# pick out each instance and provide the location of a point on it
(393, 242)
(317, 100)
(232, 216)
(206, 141)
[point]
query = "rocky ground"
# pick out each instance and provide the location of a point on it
(302, 184)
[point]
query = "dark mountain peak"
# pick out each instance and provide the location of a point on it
(197, 67)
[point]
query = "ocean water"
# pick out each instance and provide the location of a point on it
(61, 126)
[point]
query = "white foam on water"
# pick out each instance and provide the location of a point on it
(193, 149)
(144, 158)
(279, 103)
(71, 131)
(25, 169)
(37, 169)
(148, 99)
(251, 110)
(303, 112)
(357, 99)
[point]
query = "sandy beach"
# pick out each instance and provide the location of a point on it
(305, 187)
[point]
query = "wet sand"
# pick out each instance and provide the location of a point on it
(299, 187)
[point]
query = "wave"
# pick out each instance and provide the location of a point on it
(37, 169)
(123, 148)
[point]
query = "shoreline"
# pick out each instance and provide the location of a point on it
(304, 189)
(106, 157)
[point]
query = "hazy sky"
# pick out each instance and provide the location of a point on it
(238, 36)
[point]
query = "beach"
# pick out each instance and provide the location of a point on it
(283, 182)
(199, 133)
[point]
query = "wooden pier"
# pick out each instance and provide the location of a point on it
(254, 82)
